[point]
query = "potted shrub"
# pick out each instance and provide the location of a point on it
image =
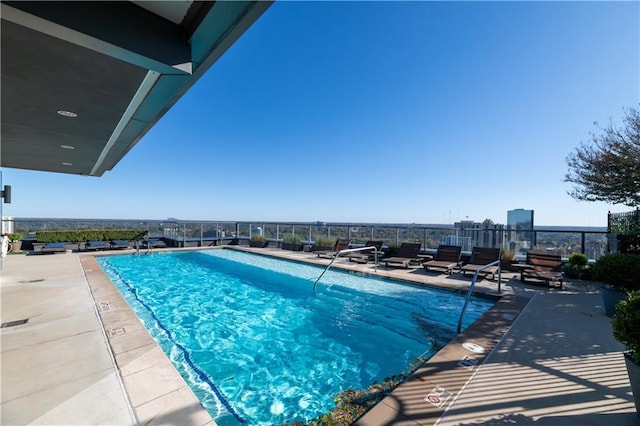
(258, 241)
(507, 259)
(619, 273)
(626, 330)
(323, 244)
(291, 242)
(577, 267)
(16, 241)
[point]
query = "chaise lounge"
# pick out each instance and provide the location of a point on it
(120, 244)
(543, 265)
(447, 257)
(49, 248)
(407, 254)
(97, 245)
(480, 257)
(154, 243)
(340, 244)
(365, 256)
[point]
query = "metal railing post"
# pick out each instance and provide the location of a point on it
(335, 256)
(473, 283)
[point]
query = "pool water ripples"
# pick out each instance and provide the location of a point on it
(272, 352)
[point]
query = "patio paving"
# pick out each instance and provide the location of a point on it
(557, 363)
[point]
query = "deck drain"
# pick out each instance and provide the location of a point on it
(468, 362)
(14, 323)
(105, 306)
(116, 331)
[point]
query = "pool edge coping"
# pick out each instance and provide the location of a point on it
(156, 390)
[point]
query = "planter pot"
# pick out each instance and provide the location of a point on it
(259, 244)
(507, 265)
(634, 378)
(292, 246)
(16, 246)
(610, 298)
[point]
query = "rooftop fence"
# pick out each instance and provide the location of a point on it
(593, 243)
(625, 223)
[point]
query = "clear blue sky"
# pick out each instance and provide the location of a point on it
(425, 112)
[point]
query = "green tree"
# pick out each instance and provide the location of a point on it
(608, 169)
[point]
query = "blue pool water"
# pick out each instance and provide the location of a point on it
(258, 347)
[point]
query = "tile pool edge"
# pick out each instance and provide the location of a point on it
(156, 390)
(447, 370)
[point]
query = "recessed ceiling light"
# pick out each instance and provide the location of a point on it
(67, 164)
(67, 113)
(67, 147)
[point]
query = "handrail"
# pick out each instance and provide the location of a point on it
(336, 255)
(473, 283)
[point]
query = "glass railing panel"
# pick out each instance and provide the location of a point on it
(383, 234)
(286, 230)
(564, 243)
(336, 232)
(245, 229)
(360, 234)
(437, 236)
(387, 234)
(595, 246)
(319, 231)
(411, 235)
(270, 231)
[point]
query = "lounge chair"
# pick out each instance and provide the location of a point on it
(97, 245)
(365, 256)
(153, 243)
(120, 244)
(53, 248)
(407, 254)
(543, 265)
(340, 244)
(447, 257)
(481, 256)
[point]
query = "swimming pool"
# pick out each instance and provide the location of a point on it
(258, 347)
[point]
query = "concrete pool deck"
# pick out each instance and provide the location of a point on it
(83, 359)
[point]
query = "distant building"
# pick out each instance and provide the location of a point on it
(469, 234)
(594, 249)
(520, 230)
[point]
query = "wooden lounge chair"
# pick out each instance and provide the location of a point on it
(367, 255)
(447, 257)
(481, 256)
(53, 248)
(340, 244)
(543, 265)
(407, 254)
